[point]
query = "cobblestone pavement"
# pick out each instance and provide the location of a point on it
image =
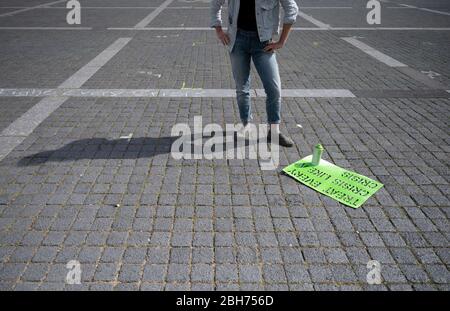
(135, 218)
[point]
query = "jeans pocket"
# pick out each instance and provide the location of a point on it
(265, 43)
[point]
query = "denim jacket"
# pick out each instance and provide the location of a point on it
(267, 16)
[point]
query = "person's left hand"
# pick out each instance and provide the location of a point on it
(273, 46)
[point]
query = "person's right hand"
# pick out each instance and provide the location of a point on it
(223, 37)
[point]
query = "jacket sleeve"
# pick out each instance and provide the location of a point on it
(290, 11)
(216, 12)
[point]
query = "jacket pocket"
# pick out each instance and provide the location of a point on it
(269, 4)
(268, 12)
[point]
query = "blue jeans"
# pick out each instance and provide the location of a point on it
(247, 47)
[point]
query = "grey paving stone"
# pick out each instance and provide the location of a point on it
(427, 256)
(154, 272)
(297, 273)
(271, 255)
(403, 255)
(372, 239)
(35, 272)
(292, 255)
(438, 273)
(202, 273)
(400, 287)
(250, 274)
(26, 286)
(203, 239)
(45, 254)
(274, 274)
(112, 254)
(343, 274)
(126, 287)
(381, 254)
(414, 273)
(180, 255)
(12, 271)
(181, 239)
(335, 255)
(22, 254)
(51, 287)
(135, 255)
(202, 255)
(321, 273)
(392, 274)
(106, 272)
(225, 255)
(178, 273)
(101, 287)
(152, 287)
(226, 273)
(247, 255)
(129, 273)
(314, 255)
(89, 254)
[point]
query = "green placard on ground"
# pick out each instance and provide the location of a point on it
(345, 186)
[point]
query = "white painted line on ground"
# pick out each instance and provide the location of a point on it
(153, 14)
(311, 93)
(110, 93)
(28, 92)
(197, 93)
(312, 20)
(45, 28)
(87, 71)
(161, 28)
(8, 144)
(408, 6)
(17, 131)
(391, 28)
(110, 7)
(334, 93)
(435, 11)
(31, 8)
(325, 7)
(293, 28)
(424, 9)
(188, 8)
(374, 53)
(130, 93)
(27, 122)
(168, 8)
(82, 7)
(391, 62)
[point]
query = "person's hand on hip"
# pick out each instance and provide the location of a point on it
(223, 36)
(273, 46)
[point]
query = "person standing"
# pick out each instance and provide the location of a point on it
(251, 27)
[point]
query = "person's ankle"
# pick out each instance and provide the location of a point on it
(275, 128)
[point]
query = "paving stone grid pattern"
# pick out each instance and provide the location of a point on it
(136, 219)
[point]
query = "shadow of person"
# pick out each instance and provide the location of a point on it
(102, 148)
(133, 148)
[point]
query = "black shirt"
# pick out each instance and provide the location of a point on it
(247, 16)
